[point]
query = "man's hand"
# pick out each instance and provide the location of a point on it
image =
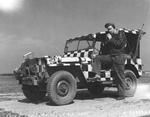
(95, 53)
(109, 36)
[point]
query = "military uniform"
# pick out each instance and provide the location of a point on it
(115, 48)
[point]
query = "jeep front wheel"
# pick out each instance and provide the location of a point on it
(61, 88)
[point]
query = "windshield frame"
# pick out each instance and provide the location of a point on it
(91, 46)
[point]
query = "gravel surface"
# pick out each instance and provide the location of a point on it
(85, 105)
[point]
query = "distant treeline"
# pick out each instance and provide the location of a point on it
(7, 74)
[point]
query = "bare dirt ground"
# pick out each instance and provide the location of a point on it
(14, 104)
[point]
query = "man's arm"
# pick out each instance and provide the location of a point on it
(119, 41)
(101, 37)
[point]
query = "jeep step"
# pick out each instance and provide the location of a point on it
(102, 80)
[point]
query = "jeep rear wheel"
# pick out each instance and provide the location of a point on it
(33, 93)
(131, 81)
(61, 88)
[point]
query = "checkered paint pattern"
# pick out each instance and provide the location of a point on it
(79, 53)
(106, 75)
(87, 70)
(130, 31)
(137, 64)
(65, 64)
(125, 30)
(87, 67)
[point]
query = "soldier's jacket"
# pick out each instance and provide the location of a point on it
(116, 45)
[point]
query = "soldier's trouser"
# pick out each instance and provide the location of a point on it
(106, 60)
(117, 62)
(118, 66)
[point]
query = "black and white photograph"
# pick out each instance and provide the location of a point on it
(74, 58)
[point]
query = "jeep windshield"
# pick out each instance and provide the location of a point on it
(78, 44)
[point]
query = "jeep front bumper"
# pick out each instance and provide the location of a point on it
(32, 80)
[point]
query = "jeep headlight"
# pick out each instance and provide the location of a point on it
(57, 59)
(54, 60)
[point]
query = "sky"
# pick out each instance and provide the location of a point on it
(43, 26)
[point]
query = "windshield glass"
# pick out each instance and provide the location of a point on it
(78, 45)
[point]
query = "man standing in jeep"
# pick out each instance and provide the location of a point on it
(115, 44)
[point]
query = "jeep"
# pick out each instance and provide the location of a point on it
(59, 77)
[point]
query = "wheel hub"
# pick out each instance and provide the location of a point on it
(62, 88)
(129, 82)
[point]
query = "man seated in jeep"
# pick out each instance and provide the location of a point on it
(114, 54)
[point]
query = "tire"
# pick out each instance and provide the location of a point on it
(61, 88)
(131, 81)
(33, 93)
(95, 88)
